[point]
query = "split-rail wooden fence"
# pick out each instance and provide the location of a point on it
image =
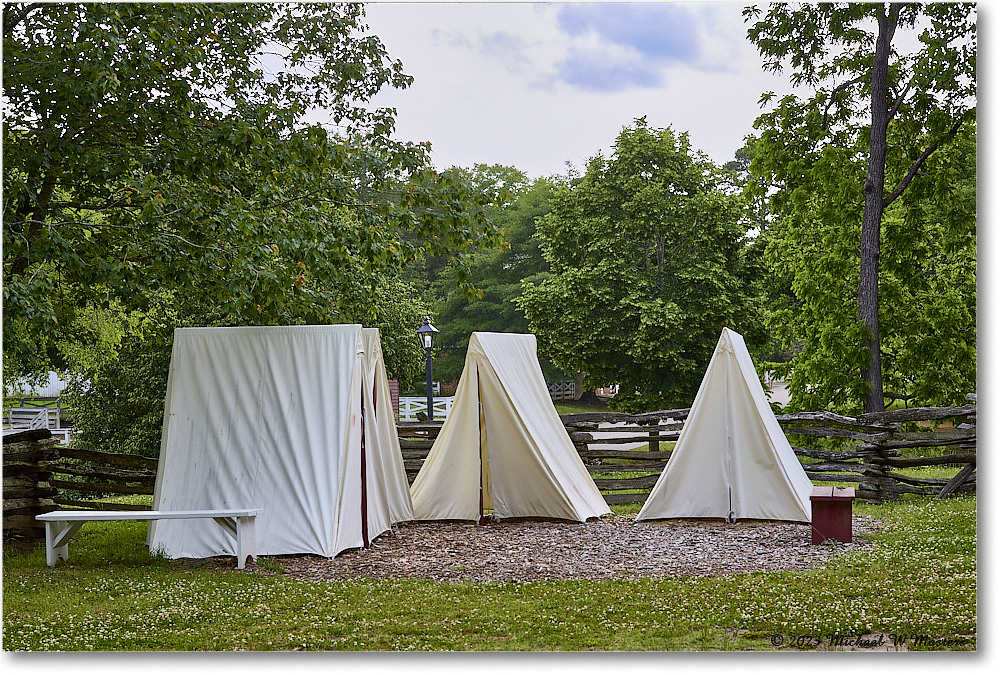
(40, 475)
(872, 451)
(624, 453)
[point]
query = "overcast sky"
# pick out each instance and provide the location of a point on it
(537, 85)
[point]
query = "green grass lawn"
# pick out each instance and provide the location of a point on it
(917, 581)
(564, 408)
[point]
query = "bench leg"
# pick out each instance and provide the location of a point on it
(57, 536)
(244, 530)
(246, 540)
(51, 553)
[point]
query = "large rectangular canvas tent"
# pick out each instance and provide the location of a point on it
(503, 446)
(731, 460)
(278, 419)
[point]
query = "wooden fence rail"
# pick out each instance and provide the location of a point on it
(624, 453)
(89, 472)
(27, 458)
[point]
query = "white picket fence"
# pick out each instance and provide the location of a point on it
(409, 406)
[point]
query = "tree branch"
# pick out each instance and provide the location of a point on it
(899, 100)
(911, 174)
(119, 203)
(12, 16)
(833, 97)
(84, 223)
(312, 193)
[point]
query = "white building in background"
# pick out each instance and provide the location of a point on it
(53, 388)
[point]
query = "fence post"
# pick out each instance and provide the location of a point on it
(27, 460)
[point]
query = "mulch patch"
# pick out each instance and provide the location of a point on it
(613, 546)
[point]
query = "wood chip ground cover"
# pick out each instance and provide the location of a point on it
(612, 546)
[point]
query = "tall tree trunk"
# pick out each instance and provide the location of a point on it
(871, 222)
(32, 215)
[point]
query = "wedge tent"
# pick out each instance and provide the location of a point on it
(278, 419)
(503, 447)
(732, 459)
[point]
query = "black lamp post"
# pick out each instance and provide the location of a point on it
(426, 334)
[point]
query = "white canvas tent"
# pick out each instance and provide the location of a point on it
(503, 446)
(732, 459)
(272, 418)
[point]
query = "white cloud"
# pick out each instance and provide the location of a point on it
(654, 36)
(509, 84)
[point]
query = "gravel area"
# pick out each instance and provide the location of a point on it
(609, 547)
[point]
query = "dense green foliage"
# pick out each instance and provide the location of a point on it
(915, 579)
(647, 261)
(165, 147)
(927, 283)
(119, 377)
(498, 276)
(871, 195)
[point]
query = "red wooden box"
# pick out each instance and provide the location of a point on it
(831, 514)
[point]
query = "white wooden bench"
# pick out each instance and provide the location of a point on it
(60, 526)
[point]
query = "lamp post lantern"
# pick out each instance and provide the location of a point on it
(426, 334)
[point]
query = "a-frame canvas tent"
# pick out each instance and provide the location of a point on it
(503, 446)
(273, 418)
(732, 459)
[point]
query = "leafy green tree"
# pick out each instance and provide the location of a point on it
(497, 275)
(119, 364)
(436, 276)
(153, 147)
(841, 158)
(396, 309)
(119, 361)
(927, 281)
(647, 265)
